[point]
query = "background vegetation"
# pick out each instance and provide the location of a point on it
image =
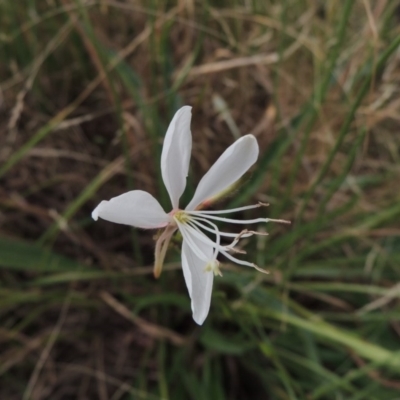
(87, 91)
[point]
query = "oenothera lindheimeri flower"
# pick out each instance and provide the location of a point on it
(199, 252)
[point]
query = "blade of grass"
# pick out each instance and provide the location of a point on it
(373, 352)
(312, 109)
(346, 125)
(23, 256)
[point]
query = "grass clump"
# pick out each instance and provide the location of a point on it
(87, 90)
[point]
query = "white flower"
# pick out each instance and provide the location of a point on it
(199, 252)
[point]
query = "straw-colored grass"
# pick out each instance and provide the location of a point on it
(87, 90)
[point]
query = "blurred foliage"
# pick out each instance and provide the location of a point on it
(87, 89)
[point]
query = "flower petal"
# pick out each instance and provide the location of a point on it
(230, 166)
(175, 155)
(136, 208)
(198, 281)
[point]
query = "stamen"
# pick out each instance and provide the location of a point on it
(245, 233)
(241, 262)
(236, 221)
(217, 246)
(235, 250)
(202, 237)
(190, 222)
(248, 221)
(228, 211)
(195, 220)
(236, 260)
(229, 247)
(279, 221)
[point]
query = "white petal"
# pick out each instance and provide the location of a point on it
(198, 281)
(136, 208)
(232, 164)
(175, 155)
